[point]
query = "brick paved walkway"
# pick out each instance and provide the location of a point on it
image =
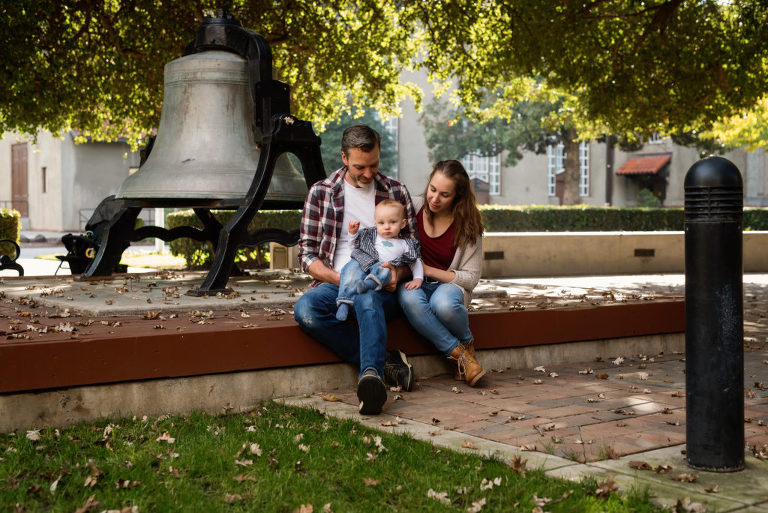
(584, 412)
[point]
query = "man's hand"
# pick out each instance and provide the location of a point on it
(353, 227)
(414, 284)
(319, 271)
(392, 285)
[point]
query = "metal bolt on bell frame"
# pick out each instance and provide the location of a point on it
(714, 316)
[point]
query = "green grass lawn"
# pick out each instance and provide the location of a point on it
(275, 458)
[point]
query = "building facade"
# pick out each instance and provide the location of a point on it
(54, 183)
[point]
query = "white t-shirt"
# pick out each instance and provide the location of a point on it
(359, 205)
(389, 249)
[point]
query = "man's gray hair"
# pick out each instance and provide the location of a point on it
(362, 137)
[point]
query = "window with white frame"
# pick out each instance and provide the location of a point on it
(556, 165)
(656, 138)
(584, 169)
(486, 169)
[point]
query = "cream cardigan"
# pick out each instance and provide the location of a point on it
(467, 262)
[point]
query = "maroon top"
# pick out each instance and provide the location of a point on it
(436, 251)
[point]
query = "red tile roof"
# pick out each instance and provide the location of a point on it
(644, 165)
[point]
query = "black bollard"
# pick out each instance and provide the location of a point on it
(714, 316)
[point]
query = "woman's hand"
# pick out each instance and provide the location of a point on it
(353, 227)
(414, 284)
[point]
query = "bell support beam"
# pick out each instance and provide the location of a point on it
(288, 135)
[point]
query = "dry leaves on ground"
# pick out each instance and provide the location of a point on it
(686, 478)
(640, 465)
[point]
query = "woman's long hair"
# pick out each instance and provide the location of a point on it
(469, 224)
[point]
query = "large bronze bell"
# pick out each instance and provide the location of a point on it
(205, 148)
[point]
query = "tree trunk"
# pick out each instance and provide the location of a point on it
(572, 167)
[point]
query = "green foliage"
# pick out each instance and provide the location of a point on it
(580, 219)
(99, 67)
(331, 147)
(273, 459)
(629, 67)
(10, 227)
(646, 198)
(622, 67)
(199, 254)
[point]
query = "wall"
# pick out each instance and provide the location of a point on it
(509, 255)
(99, 170)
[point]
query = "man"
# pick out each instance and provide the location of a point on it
(350, 195)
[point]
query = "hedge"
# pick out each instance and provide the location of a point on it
(10, 227)
(496, 218)
(198, 254)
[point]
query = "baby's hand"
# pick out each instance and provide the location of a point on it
(353, 227)
(414, 284)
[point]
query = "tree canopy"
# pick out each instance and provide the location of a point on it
(626, 67)
(98, 65)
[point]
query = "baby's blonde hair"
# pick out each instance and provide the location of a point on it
(389, 202)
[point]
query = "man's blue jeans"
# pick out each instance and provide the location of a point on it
(437, 311)
(352, 274)
(364, 344)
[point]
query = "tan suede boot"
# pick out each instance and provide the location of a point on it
(470, 346)
(468, 366)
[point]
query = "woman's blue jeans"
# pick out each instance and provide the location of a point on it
(365, 343)
(437, 311)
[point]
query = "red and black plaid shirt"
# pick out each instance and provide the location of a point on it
(323, 216)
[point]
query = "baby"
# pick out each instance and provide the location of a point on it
(371, 248)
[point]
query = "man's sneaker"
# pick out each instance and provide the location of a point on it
(398, 371)
(371, 393)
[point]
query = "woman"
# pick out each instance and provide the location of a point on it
(450, 233)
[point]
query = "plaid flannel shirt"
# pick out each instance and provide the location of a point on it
(323, 216)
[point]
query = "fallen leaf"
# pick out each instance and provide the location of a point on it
(686, 478)
(165, 437)
(606, 488)
(601, 375)
(126, 483)
(618, 361)
(33, 435)
(456, 390)
(712, 490)
(232, 497)
(304, 508)
(540, 368)
(623, 411)
(244, 463)
(436, 432)
(553, 374)
(388, 423)
(440, 497)
(488, 484)
(242, 477)
(469, 445)
(686, 506)
(370, 481)
(91, 502)
(537, 382)
(640, 465)
(54, 485)
(586, 371)
(663, 469)
(541, 501)
(518, 464)
(476, 506)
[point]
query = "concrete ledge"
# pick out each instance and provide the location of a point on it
(518, 254)
(241, 390)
